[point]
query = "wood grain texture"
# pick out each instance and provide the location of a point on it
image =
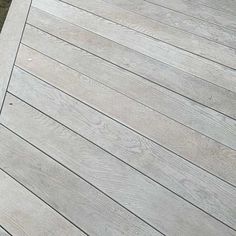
(77, 200)
(144, 44)
(173, 36)
(155, 204)
(187, 143)
(10, 41)
(178, 20)
(206, 121)
(35, 218)
(171, 171)
(200, 11)
(190, 86)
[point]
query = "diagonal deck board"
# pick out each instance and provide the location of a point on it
(198, 179)
(196, 89)
(202, 12)
(57, 186)
(188, 42)
(221, 128)
(118, 118)
(135, 186)
(180, 21)
(35, 218)
(144, 44)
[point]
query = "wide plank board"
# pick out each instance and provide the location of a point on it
(118, 118)
(144, 44)
(181, 140)
(144, 155)
(58, 186)
(170, 134)
(199, 90)
(35, 218)
(150, 201)
(213, 124)
(200, 11)
(178, 20)
(114, 18)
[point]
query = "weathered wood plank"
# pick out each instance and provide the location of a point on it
(22, 213)
(207, 121)
(144, 44)
(185, 84)
(147, 199)
(178, 20)
(173, 36)
(9, 41)
(79, 202)
(181, 140)
(171, 171)
(200, 11)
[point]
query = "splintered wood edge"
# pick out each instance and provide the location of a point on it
(10, 38)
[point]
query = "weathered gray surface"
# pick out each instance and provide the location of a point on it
(120, 119)
(137, 188)
(58, 186)
(164, 163)
(199, 90)
(9, 41)
(221, 128)
(181, 21)
(22, 213)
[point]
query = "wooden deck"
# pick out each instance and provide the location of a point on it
(118, 117)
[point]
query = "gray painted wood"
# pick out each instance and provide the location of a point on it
(164, 167)
(78, 201)
(208, 122)
(3, 232)
(143, 43)
(178, 20)
(10, 39)
(22, 213)
(185, 84)
(147, 199)
(200, 11)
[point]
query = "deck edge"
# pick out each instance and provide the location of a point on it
(10, 38)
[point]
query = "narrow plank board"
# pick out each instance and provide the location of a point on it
(81, 203)
(199, 90)
(3, 232)
(144, 44)
(178, 20)
(209, 122)
(10, 41)
(147, 199)
(154, 161)
(201, 12)
(22, 213)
